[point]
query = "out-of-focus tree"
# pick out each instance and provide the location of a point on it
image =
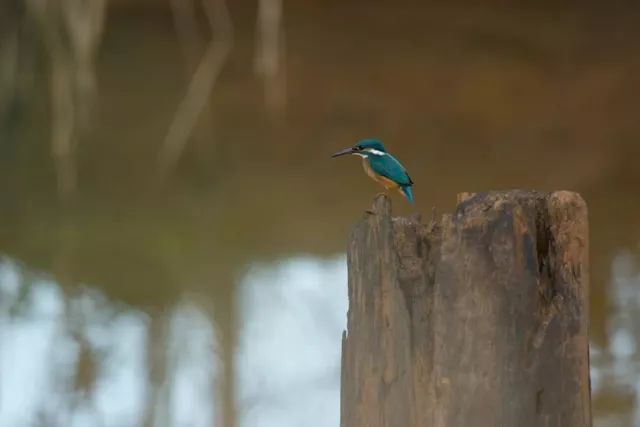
(204, 78)
(71, 31)
(270, 55)
(9, 16)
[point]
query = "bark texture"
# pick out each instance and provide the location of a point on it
(479, 319)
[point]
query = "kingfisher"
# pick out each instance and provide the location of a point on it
(381, 166)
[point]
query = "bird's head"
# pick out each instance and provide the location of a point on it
(364, 148)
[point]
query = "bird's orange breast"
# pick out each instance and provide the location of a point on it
(384, 181)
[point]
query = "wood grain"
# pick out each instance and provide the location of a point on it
(477, 319)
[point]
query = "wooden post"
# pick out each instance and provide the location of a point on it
(477, 320)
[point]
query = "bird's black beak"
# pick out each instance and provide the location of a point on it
(349, 150)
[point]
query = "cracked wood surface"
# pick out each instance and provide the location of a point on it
(477, 319)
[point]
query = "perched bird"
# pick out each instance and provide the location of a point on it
(381, 166)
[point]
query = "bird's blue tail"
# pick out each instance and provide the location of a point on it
(408, 193)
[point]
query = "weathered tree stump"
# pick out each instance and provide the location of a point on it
(477, 320)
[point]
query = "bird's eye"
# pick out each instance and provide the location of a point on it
(359, 147)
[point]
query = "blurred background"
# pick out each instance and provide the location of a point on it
(172, 230)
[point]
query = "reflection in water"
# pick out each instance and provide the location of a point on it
(47, 340)
(83, 360)
(72, 33)
(615, 374)
(270, 54)
(204, 78)
(289, 352)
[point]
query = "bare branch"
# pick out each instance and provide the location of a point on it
(200, 87)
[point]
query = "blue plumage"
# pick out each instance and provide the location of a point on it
(381, 166)
(387, 166)
(408, 193)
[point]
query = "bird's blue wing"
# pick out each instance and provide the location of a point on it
(389, 167)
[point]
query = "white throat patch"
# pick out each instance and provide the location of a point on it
(364, 156)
